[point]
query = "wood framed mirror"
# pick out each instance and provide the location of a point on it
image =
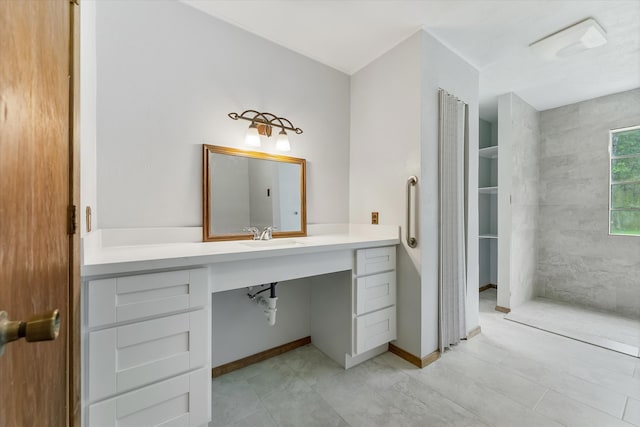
(251, 189)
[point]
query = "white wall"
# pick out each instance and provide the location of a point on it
(385, 151)
(88, 187)
(169, 74)
(249, 332)
(394, 134)
(441, 68)
(167, 77)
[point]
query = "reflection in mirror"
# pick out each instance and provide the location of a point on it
(251, 189)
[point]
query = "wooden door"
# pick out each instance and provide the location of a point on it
(36, 189)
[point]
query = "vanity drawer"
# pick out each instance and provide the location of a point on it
(183, 401)
(375, 329)
(134, 297)
(375, 292)
(375, 260)
(130, 356)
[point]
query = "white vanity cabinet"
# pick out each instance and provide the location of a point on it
(365, 299)
(374, 298)
(146, 329)
(146, 341)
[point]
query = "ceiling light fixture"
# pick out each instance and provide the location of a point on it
(577, 38)
(262, 123)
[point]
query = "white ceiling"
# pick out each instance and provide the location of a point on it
(491, 35)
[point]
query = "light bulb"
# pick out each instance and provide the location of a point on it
(282, 143)
(252, 138)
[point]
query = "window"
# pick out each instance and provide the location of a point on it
(624, 192)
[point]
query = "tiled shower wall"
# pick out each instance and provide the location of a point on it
(578, 261)
(525, 155)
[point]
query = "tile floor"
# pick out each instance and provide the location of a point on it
(510, 375)
(600, 328)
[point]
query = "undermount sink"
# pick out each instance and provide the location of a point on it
(273, 243)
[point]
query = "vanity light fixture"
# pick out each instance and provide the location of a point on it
(584, 35)
(252, 139)
(261, 124)
(282, 142)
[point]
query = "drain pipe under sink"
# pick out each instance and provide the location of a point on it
(269, 303)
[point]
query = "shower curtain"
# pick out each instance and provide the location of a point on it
(452, 141)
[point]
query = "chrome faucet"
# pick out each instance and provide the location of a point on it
(267, 233)
(254, 231)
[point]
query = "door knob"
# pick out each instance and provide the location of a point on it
(42, 327)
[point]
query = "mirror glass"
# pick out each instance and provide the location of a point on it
(251, 189)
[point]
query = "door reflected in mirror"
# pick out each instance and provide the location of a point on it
(244, 189)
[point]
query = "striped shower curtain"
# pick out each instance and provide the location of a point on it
(452, 141)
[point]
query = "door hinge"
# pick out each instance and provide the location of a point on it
(72, 223)
(76, 2)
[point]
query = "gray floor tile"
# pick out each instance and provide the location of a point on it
(614, 381)
(232, 401)
(632, 412)
(302, 408)
(444, 410)
(573, 413)
(554, 349)
(257, 419)
(485, 348)
(581, 390)
(494, 377)
(377, 374)
(363, 406)
(310, 364)
(493, 408)
(605, 329)
(276, 378)
(510, 375)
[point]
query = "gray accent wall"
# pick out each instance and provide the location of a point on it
(525, 154)
(579, 261)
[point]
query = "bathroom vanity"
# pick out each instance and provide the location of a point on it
(146, 303)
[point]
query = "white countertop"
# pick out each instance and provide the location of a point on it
(122, 251)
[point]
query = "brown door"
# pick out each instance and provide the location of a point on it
(36, 189)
